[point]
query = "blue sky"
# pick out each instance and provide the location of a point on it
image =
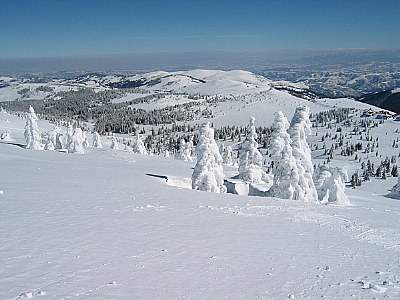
(41, 28)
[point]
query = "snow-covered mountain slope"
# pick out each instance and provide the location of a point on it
(107, 225)
(389, 99)
(205, 82)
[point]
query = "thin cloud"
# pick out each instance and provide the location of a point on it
(159, 37)
(244, 36)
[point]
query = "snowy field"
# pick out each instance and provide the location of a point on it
(107, 225)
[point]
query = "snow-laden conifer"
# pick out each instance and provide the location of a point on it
(208, 173)
(59, 141)
(330, 184)
(114, 143)
(300, 128)
(96, 140)
(185, 150)
(250, 159)
(68, 135)
(32, 135)
(76, 142)
(166, 153)
(227, 156)
(85, 139)
(285, 171)
(138, 146)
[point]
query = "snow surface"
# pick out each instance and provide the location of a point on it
(117, 225)
(396, 90)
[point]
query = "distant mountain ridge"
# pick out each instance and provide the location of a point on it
(203, 82)
(389, 100)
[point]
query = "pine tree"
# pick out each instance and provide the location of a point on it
(97, 140)
(32, 135)
(208, 174)
(114, 143)
(285, 171)
(300, 128)
(76, 142)
(250, 159)
(138, 146)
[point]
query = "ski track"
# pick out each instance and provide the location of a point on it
(353, 229)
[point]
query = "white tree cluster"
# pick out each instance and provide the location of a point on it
(329, 183)
(208, 174)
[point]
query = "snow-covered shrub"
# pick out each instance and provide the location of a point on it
(76, 142)
(208, 173)
(285, 171)
(138, 146)
(114, 143)
(330, 184)
(250, 159)
(300, 128)
(97, 140)
(32, 135)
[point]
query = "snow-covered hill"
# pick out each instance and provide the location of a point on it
(111, 224)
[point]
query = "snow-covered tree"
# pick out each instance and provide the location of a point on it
(166, 153)
(85, 139)
(330, 184)
(59, 141)
(227, 156)
(68, 136)
(208, 173)
(250, 159)
(300, 128)
(396, 189)
(76, 142)
(32, 135)
(114, 143)
(185, 150)
(286, 175)
(97, 140)
(138, 146)
(48, 142)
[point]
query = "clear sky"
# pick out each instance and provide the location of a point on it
(41, 28)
